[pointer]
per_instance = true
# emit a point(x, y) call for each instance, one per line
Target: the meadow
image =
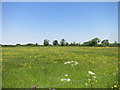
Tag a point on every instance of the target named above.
point(59, 67)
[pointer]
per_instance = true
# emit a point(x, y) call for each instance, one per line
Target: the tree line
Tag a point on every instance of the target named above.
point(93, 42)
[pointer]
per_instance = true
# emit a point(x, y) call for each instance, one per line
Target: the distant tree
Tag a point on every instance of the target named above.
point(74, 43)
point(18, 45)
point(62, 42)
point(29, 44)
point(105, 42)
point(71, 44)
point(95, 41)
point(55, 42)
point(36, 44)
point(92, 42)
point(46, 42)
point(77, 44)
point(115, 43)
point(86, 43)
point(66, 44)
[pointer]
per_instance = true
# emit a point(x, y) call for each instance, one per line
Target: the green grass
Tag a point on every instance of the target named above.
point(23, 67)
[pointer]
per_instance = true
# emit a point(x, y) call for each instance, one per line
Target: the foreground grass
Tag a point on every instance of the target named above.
point(44, 67)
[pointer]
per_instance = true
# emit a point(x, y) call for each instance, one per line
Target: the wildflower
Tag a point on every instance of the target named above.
point(94, 76)
point(76, 62)
point(65, 62)
point(71, 62)
point(91, 73)
point(68, 62)
point(62, 79)
point(86, 83)
point(115, 85)
point(68, 79)
point(66, 75)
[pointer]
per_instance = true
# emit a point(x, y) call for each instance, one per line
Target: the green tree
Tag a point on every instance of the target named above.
point(18, 45)
point(74, 43)
point(62, 42)
point(36, 44)
point(105, 42)
point(77, 44)
point(66, 44)
point(55, 42)
point(46, 42)
point(94, 41)
point(115, 43)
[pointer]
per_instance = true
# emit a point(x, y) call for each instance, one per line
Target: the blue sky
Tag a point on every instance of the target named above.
point(32, 22)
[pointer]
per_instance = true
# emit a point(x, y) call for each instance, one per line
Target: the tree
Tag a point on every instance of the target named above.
point(86, 43)
point(18, 45)
point(115, 43)
point(95, 41)
point(71, 44)
point(62, 42)
point(74, 43)
point(55, 42)
point(66, 44)
point(105, 42)
point(92, 42)
point(77, 44)
point(36, 44)
point(46, 42)
point(30, 44)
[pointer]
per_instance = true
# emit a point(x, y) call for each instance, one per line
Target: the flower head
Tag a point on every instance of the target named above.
point(94, 77)
point(86, 83)
point(91, 73)
point(66, 75)
point(68, 79)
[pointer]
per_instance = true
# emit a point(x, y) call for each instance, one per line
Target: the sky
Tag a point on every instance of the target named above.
point(32, 22)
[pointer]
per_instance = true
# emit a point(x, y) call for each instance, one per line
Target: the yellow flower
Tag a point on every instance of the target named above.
point(115, 85)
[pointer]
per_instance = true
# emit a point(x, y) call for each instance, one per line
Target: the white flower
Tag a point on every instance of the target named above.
point(90, 72)
point(62, 79)
point(94, 76)
point(68, 62)
point(66, 75)
point(65, 62)
point(76, 63)
point(86, 83)
point(68, 79)
point(71, 62)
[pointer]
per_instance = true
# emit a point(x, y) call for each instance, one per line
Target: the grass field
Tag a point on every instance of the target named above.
point(59, 67)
